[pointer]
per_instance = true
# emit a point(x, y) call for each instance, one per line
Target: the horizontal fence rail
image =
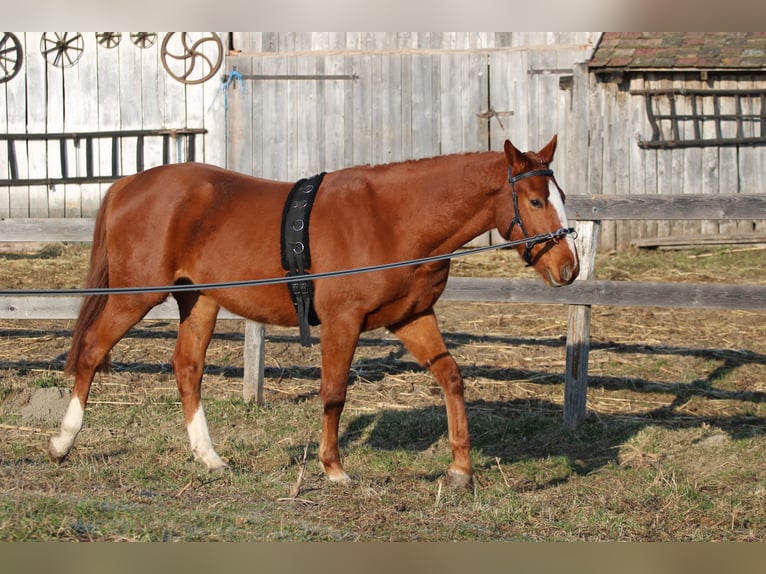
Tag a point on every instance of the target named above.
point(586, 211)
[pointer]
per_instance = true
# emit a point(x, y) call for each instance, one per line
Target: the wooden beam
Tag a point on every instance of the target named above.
point(667, 207)
point(609, 293)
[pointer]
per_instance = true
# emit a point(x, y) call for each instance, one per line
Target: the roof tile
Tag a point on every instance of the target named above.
point(651, 50)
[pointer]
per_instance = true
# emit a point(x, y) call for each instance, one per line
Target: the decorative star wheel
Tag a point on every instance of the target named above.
point(11, 56)
point(109, 39)
point(61, 49)
point(191, 58)
point(143, 39)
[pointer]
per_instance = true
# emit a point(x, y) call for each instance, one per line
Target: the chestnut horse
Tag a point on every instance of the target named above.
point(199, 224)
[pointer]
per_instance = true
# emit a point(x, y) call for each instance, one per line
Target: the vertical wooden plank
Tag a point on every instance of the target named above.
point(405, 115)
point(275, 126)
point(81, 114)
point(475, 101)
point(423, 108)
point(503, 93)
point(362, 110)
point(749, 165)
point(254, 354)
point(235, 104)
point(35, 203)
point(54, 123)
point(451, 126)
point(211, 147)
point(710, 159)
point(151, 75)
point(302, 149)
point(578, 332)
point(108, 78)
point(728, 166)
point(130, 101)
point(332, 112)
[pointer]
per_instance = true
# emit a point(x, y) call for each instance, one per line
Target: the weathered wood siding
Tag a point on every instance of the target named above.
point(122, 88)
point(323, 101)
point(394, 96)
point(617, 120)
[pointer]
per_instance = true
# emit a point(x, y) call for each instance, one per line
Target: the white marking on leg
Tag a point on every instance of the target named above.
point(59, 446)
point(554, 197)
point(201, 445)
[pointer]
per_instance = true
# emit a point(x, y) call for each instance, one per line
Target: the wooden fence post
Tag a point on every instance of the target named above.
point(254, 354)
point(578, 333)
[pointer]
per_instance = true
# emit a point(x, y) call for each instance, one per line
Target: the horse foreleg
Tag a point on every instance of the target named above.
point(338, 344)
point(423, 339)
point(117, 317)
point(198, 317)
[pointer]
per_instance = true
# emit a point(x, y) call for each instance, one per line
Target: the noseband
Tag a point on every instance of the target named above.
point(531, 241)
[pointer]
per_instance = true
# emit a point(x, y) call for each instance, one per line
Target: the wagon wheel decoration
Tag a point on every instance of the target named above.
point(191, 61)
point(11, 56)
point(109, 39)
point(143, 39)
point(61, 49)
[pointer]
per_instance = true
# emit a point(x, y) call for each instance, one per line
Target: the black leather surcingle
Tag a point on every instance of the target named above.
point(296, 256)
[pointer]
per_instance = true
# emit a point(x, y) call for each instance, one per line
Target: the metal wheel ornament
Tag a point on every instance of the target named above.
point(109, 39)
point(191, 58)
point(143, 39)
point(11, 56)
point(61, 49)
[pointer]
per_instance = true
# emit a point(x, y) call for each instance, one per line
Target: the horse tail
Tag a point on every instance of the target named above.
point(92, 305)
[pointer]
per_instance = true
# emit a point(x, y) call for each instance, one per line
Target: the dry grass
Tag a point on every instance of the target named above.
point(673, 447)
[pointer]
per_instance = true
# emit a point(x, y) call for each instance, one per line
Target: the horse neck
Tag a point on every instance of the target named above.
point(457, 202)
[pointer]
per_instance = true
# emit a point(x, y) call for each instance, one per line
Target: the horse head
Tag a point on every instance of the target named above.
point(537, 205)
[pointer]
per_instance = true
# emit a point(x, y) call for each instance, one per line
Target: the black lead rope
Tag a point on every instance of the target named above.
point(190, 287)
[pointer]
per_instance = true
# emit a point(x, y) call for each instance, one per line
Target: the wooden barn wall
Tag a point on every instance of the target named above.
point(314, 102)
point(615, 120)
point(122, 88)
point(413, 95)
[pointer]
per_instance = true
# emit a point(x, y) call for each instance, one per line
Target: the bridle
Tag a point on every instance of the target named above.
point(531, 241)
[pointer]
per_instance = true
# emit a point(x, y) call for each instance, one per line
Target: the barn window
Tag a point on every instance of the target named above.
point(704, 117)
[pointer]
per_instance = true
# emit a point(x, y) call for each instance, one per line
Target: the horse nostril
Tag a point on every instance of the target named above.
point(566, 273)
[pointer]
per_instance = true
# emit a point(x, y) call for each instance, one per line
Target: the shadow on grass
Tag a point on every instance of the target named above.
point(529, 430)
point(513, 430)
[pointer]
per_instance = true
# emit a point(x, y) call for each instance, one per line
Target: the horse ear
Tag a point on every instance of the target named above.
point(547, 152)
point(512, 155)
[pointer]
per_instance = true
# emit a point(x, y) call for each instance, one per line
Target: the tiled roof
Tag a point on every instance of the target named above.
point(680, 50)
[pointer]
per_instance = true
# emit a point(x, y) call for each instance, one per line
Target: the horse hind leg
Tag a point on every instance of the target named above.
point(110, 325)
point(423, 339)
point(198, 317)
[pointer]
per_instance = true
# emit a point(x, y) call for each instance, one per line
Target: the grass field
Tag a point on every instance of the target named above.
point(673, 448)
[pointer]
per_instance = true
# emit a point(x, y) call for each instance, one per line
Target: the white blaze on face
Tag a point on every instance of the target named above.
point(554, 197)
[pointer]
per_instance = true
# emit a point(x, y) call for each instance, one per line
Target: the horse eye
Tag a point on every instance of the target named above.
point(536, 203)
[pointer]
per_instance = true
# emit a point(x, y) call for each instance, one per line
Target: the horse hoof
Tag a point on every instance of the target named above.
point(54, 453)
point(220, 469)
point(337, 476)
point(341, 478)
point(459, 480)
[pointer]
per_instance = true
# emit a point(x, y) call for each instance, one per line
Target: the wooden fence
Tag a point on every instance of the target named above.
point(586, 212)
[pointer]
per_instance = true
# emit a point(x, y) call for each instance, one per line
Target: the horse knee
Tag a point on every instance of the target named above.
point(333, 396)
